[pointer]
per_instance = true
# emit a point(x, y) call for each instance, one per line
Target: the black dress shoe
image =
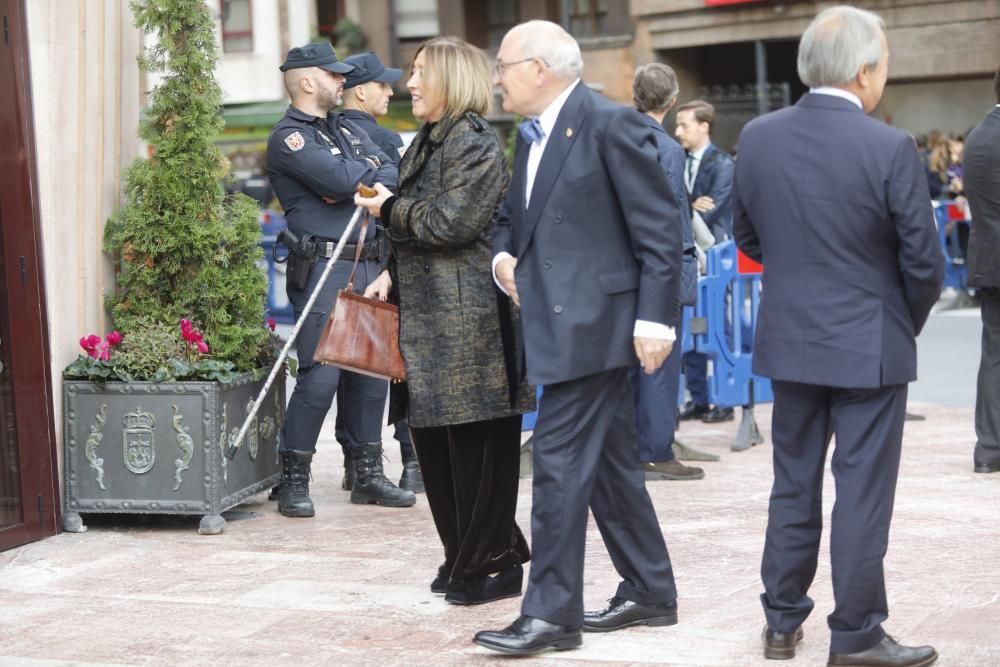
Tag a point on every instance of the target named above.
point(692, 410)
point(440, 583)
point(987, 467)
point(716, 415)
point(528, 636)
point(621, 613)
point(887, 653)
point(480, 590)
point(778, 645)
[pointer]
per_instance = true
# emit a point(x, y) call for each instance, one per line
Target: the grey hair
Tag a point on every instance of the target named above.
point(837, 44)
point(553, 45)
point(654, 87)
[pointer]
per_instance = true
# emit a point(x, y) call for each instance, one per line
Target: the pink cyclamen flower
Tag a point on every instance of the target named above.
point(202, 347)
point(271, 323)
point(114, 339)
point(103, 352)
point(186, 325)
point(89, 344)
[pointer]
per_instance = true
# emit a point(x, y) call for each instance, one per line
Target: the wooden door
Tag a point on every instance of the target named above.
point(29, 492)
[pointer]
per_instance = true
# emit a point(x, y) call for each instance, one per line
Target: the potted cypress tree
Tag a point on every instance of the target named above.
point(151, 408)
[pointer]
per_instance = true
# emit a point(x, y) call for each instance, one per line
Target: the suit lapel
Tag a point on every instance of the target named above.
point(520, 173)
point(701, 166)
point(564, 134)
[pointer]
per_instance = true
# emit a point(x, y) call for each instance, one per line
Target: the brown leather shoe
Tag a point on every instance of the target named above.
point(671, 470)
point(778, 645)
point(887, 653)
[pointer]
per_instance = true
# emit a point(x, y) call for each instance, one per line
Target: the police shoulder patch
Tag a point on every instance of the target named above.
point(294, 141)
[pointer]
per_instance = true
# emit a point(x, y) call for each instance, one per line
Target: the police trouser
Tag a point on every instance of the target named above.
point(363, 397)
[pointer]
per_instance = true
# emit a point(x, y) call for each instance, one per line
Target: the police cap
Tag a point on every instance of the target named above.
point(367, 67)
point(317, 54)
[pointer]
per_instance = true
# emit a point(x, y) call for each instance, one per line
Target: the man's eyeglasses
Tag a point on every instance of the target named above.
point(499, 66)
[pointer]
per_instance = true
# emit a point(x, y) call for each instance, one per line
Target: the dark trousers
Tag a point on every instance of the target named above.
point(471, 476)
point(868, 424)
point(655, 399)
point(585, 455)
point(363, 397)
point(696, 377)
point(988, 385)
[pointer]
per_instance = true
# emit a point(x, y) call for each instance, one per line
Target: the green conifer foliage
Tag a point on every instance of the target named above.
point(183, 248)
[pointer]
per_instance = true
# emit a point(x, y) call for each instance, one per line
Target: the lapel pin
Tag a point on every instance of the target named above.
point(569, 131)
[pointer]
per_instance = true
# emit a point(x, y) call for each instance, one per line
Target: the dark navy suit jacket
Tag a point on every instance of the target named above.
point(593, 252)
point(715, 179)
point(982, 187)
point(835, 205)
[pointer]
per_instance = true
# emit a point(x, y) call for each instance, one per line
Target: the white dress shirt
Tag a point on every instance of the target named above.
point(838, 92)
point(547, 119)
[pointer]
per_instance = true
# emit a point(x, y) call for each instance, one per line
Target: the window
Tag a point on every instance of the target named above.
point(416, 19)
point(237, 26)
point(501, 16)
point(588, 18)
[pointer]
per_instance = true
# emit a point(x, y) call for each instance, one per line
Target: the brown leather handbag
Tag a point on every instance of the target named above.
point(362, 335)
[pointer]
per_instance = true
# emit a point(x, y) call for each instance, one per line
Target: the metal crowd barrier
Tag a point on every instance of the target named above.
point(278, 305)
point(721, 327)
point(949, 217)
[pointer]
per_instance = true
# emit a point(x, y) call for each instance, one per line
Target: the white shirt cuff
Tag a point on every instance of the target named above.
point(647, 329)
point(500, 256)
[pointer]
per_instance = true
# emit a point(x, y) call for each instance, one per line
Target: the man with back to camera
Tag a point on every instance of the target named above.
point(708, 176)
point(654, 93)
point(366, 97)
point(581, 245)
point(314, 156)
point(982, 189)
point(834, 204)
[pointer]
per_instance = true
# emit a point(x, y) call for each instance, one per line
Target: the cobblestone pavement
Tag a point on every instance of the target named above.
point(350, 587)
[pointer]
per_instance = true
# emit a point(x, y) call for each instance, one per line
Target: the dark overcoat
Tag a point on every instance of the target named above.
point(460, 361)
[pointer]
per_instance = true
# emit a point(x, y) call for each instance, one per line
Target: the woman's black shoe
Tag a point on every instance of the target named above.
point(440, 583)
point(483, 589)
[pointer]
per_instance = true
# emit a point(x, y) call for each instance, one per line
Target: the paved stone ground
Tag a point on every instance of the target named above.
point(350, 587)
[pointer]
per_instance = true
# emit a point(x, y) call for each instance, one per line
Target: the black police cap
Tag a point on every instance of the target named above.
point(367, 67)
point(317, 54)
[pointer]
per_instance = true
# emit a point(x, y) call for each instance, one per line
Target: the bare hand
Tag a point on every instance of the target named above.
point(703, 204)
point(329, 200)
point(374, 204)
point(379, 288)
point(505, 276)
point(652, 352)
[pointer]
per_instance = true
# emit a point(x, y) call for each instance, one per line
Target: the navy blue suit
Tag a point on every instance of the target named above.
point(835, 205)
point(656, 394)
point(593, 256)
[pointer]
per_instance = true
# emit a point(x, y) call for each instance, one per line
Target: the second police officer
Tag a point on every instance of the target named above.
point(315, 161)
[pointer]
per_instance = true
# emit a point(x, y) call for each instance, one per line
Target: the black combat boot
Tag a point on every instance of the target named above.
point(370, 483)
point(412, 479)
point(347, 483)
point(293, 496)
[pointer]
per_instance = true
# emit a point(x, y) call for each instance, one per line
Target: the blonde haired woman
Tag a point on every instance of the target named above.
point(463, 396)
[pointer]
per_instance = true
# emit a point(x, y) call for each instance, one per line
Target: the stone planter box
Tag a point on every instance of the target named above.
point(159, 448)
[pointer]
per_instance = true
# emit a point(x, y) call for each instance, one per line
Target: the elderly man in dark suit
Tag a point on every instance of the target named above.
point(982, 187)
point(580, 243)
point(835, 205)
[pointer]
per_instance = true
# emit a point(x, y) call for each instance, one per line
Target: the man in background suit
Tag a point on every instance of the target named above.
point(982, 188)
point(654, 92)
point(708, 175)
point(581, 245)
point(835, 205)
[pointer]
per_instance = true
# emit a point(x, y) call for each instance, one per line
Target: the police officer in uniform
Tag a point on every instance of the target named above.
point(315, 161)
point(366, 96)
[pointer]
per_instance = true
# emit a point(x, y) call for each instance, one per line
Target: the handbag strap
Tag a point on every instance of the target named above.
point(357, 250)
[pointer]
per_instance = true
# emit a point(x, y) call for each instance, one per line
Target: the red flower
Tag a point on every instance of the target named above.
point(114, 339)
point(202, 346)
point(89, 344)
point(103, 352)
point(186, 325)
point(271, 323)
